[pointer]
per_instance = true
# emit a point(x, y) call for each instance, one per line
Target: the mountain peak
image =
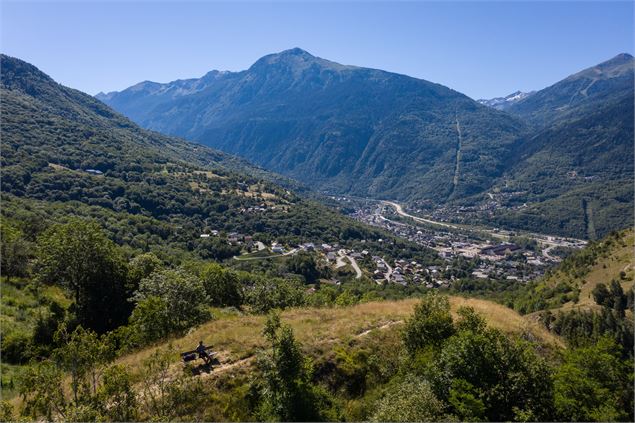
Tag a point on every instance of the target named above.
point(293, 57)
point(618, 66)
point(296, 51)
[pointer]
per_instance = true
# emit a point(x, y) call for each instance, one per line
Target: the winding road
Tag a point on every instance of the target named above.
point(288, 253)
point(544, 240)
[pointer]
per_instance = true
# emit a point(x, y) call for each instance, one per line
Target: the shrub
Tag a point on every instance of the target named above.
point(431, 323)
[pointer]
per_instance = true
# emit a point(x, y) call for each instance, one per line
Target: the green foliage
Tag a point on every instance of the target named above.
point(6, 412)
point(39, 387)
point(222, 286)
point(430, 324)
point(79, 256)
point(409, 401)
point(594, 384)
point(151, 319)
point(118, 394)
point(82, 354)
point(175, 297)
point(465, 399)
point(345, 299)
point(498, 377)
point(142, 266)
point(15, 251)
point(584, 328)
point(286, 392)
point(15, 346)
point(265, 294)
point(304, 264)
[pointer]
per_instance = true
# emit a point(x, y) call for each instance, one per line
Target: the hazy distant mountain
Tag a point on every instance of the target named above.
point(502, 103)
point(340, 128)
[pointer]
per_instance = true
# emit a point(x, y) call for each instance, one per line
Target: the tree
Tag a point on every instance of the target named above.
point(14, 251)
point(594, 384)
point(286, 391)
point(266, 294)
point(304, 264)
point(117, 395)
point(41, 389)
point(182, 297)
point(602, 296)
point(142, 266)
point(619, 298)
point(82, 354)
point(80, 257)
point(431, 323)
point(222, 286)
point(482, 367)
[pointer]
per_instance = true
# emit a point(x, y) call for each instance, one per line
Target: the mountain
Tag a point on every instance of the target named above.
point(575, 168)
point(502, 103)
point(580, 92)
point(339, 128)
point(64, 153)
point(565, 151)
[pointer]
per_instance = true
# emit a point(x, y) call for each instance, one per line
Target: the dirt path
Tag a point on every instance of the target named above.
point(382, 327)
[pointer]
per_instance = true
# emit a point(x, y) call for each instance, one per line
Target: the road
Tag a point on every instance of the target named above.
point(543, 240)
point(288, 253)
point(339, 262)
point(399, 209)
point(341, 255)
point(358, 271)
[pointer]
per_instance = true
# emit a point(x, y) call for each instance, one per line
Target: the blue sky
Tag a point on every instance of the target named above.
point(483, 49)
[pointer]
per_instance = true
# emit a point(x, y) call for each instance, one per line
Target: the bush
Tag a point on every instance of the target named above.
point(430, 324)
point(16, 347)
point(410, 401)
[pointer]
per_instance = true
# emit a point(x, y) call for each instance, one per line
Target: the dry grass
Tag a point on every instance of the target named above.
point(620, 259)
point(237, 337)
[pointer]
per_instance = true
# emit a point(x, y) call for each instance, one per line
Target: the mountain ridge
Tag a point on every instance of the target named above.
point(338, 127)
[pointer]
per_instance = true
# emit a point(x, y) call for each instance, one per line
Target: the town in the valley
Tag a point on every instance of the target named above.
point(493, 254)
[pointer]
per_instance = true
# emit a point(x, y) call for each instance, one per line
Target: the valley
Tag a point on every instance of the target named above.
point(537, 164)
point(346, 243)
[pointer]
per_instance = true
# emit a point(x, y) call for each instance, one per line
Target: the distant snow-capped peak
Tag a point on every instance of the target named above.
point(501, 103)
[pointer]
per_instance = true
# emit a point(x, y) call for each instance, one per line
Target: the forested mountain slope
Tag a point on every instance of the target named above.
point(566, 151)
point(340, 128)
point(575, 171)
point(65, 153)
point(579, 92)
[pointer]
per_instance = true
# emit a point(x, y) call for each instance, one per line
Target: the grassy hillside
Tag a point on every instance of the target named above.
point(569, 285)
point(326, 334)
point(238, 337)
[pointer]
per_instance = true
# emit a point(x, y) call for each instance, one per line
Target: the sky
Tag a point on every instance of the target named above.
point(483, 49)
